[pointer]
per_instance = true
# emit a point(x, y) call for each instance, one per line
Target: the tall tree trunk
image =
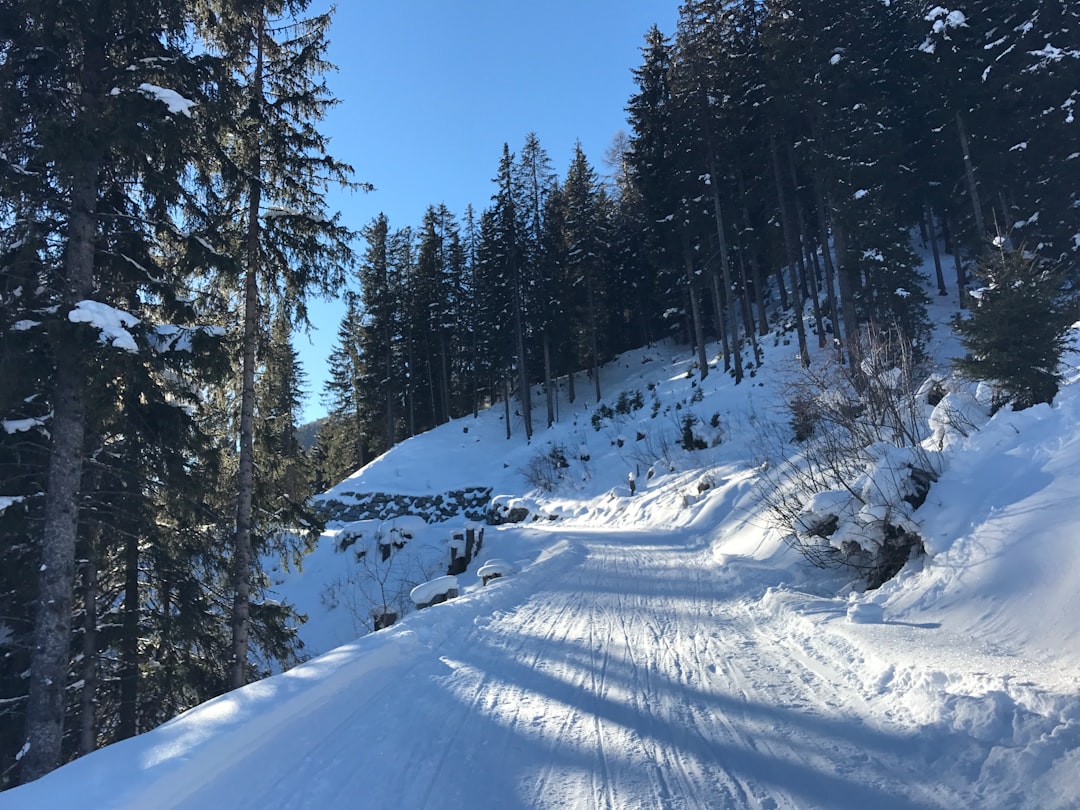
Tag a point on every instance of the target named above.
point(389, 357)
point(594, 338)
point(931, 227)
point(793, 259)
point(728, 322)
point(751, 259)
point(549, 393)
point(523, 374)
point(506, 404)
point(847, 292)
point(806, 246)
point(958, 262)
point(89, 674)
point(127, 725)
point(56, 581)
point(695, 309)
point(245, 478)
point(830, 268)
point(748, 314)
point(720, 315)
point(973, 187)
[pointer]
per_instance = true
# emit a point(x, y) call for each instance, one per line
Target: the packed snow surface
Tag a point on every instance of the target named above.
point(664, 648)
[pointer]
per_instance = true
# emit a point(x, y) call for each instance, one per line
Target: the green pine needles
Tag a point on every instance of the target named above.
point(1017, 329)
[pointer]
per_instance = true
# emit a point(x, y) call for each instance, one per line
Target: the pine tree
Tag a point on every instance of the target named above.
point(343, 438)
point(650, 161)
point(95, 102)
point(380, 340)
point(1018, 328)
point(584, 238)
point(510, 244)
point(272, 163)
point(536, 182)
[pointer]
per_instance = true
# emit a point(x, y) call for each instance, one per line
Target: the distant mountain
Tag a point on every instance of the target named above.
point(307, 434)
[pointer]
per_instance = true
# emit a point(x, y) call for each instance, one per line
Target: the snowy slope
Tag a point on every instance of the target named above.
point(665, 649)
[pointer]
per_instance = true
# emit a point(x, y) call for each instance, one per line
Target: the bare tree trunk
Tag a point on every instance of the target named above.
point(826, 255)
point(847, 294)
point(245, 478)
point(755, 270)
point(793, 259)
point(695, 309)
point(523, 375)
point(961, 276)
point(389, 426)
point(720, 324)
point(50, 655)
point(506, 404)
point(806, 248)
point(444, 368)
point(928, 216)
point(127, 725)
point(748, 315)
point(727, 321)
point(549, 393)
point(594, 338)
point(973, 188)
point(87, 701)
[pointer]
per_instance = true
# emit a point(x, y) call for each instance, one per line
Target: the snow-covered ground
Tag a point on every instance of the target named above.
point(661, 648)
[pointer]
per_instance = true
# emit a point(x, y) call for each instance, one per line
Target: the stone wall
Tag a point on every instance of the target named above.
point(471, 504)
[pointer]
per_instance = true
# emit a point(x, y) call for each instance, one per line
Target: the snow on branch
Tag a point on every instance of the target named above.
point(111, 322)
point(170, 98)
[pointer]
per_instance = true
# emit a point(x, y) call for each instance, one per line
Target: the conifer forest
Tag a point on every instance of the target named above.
point(164, 223)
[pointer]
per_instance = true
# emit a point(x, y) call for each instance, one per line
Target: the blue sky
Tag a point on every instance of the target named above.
point(431, 89)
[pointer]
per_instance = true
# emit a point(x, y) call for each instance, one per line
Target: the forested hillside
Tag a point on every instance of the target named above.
point(778, 158)
point(163, 221)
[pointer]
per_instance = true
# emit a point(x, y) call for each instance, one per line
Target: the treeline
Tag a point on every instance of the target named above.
point(162, 219)
point(781, 155)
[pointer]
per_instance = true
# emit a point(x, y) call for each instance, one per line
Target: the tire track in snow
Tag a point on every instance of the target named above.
point(639, 677)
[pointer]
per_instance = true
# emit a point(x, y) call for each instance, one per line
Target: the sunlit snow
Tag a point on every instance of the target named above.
point(665, 648)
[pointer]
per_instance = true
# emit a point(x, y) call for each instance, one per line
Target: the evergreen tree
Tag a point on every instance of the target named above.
point(536, 182)
point(94, 151)
point(1018, 328)
point(584, 238)
point(511, 262)
point(343, 438)
point(381, 337)
point(650, 160)
point(272, 163)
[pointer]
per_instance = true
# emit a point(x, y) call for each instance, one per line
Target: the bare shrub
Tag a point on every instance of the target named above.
point(376, 586)
point(846, 500)
point(546, 469)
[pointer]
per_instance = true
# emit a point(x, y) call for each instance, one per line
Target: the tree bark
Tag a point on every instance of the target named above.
point(727, 321)
point(549, 393)
point(245, 481)
point(806, 248)
point(793, 259)
point(127, 725)
point(928, 216)
point(87, 701)
point(56, 582)
point(958, 262)
point(973, 187)
point(594, 338)
point(751, 259)
point(695, 309)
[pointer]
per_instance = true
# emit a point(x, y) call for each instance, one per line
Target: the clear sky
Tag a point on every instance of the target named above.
point(431, 89)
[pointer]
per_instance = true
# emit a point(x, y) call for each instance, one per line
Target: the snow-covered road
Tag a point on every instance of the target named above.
point(639, 675)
